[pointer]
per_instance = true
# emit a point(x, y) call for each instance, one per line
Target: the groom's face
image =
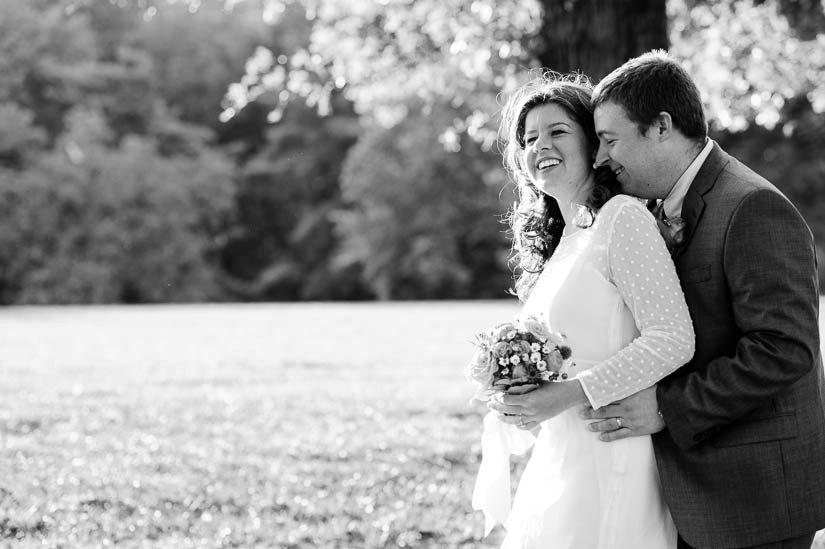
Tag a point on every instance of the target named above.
point(626, 150)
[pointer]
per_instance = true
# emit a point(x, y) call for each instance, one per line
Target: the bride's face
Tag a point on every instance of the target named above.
point(556, 153)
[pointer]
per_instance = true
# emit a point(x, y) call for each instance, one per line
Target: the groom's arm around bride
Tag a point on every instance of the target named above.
point(740, 429)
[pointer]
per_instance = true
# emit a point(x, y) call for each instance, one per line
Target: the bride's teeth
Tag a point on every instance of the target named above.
point(547, 163)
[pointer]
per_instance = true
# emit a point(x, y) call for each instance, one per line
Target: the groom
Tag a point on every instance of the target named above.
point(739, 431)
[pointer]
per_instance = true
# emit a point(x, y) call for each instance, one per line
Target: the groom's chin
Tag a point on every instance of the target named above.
point(627, 188)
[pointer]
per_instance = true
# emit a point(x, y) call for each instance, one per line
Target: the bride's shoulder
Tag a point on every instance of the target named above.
point(624, 216)
point(623, 205)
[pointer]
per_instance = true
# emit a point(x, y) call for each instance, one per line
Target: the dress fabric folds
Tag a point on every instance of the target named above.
point(612, 291)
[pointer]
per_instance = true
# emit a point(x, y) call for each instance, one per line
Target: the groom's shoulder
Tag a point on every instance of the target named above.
point(738, 176)
point(738, 188)
point(736, 181)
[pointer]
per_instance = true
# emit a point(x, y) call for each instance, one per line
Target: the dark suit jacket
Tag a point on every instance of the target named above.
point(742, 460)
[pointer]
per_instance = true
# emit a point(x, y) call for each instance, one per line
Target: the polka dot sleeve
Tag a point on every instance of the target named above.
point(641, 268)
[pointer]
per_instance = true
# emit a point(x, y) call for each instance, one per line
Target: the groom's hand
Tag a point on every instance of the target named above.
point(636, 415)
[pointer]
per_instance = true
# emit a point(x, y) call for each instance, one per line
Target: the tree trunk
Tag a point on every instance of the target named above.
point(596, 36)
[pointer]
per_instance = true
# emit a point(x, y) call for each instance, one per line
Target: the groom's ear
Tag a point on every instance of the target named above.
point(662, 125)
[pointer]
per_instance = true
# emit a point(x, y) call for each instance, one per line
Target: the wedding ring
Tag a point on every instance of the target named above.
point(521, 420)
point(618, 423)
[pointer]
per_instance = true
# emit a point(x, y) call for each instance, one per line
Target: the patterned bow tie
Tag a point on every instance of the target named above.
point(672, 228)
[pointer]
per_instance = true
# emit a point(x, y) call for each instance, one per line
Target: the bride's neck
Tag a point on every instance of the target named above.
point(571, 205)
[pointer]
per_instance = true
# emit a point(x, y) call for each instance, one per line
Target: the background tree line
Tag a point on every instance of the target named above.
point(176, 151)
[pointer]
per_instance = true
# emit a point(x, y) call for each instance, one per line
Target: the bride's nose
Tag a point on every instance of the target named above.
point(543, 141)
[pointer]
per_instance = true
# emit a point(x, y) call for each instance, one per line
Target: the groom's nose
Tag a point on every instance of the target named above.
point(601, 157)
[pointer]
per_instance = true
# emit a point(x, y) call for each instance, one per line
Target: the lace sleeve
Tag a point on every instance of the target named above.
point(642, 270)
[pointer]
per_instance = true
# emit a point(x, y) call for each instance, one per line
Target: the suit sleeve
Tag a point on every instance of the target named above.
point(769, 266)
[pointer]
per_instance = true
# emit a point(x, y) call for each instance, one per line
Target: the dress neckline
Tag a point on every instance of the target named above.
point(569, 232)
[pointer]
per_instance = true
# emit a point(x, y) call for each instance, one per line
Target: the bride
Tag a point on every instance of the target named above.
point(594, 267)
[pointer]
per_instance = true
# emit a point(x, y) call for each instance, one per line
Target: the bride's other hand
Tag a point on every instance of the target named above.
point(528, 409)
point(636, 415)
point(521, 389)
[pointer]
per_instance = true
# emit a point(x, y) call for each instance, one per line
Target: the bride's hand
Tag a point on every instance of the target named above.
point(521, 389)
point(528, 409)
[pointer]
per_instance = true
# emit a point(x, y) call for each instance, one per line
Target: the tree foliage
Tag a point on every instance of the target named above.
point(283, 244)
point(748, 61)
point(43, 53)
point(383, 55)
point(180, 150)
point(89, 223)
point(745, 55)
point(421, 219)
point(753, 66)
point(106, 196)
point(197, 54)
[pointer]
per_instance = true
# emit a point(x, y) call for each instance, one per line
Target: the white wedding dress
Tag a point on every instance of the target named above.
point(613, 291)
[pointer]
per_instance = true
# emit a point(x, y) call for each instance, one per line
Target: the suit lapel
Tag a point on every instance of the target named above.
point(694, 203)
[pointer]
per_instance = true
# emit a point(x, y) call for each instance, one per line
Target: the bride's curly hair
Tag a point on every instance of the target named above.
point(535, 220)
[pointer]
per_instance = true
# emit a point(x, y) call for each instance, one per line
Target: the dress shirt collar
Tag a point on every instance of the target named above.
point(673, 201)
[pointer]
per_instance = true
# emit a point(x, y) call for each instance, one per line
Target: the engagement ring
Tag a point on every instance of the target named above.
point(619, 422)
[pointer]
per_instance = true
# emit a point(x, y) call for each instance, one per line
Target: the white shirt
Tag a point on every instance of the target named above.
point(674, 200)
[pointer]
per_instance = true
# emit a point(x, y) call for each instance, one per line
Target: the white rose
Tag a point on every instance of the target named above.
point(535, 326)
point(480, 370)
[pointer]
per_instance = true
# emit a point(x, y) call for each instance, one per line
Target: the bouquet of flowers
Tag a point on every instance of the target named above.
point(511, 354)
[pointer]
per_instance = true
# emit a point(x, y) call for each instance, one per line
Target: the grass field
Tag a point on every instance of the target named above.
point(259, 426)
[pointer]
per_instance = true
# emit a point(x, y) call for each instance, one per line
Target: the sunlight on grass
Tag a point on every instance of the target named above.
point(257, 426)
point(240, 426)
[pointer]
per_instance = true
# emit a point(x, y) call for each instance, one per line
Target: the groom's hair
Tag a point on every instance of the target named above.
point(652, 83)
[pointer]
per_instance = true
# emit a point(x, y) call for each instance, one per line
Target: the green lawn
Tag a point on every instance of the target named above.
point(283, 426)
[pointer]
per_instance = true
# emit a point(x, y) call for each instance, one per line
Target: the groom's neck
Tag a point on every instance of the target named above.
point(681, 154)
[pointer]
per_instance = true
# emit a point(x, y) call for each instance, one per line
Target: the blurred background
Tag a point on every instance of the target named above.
point(274, 150)
point(261, 157)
